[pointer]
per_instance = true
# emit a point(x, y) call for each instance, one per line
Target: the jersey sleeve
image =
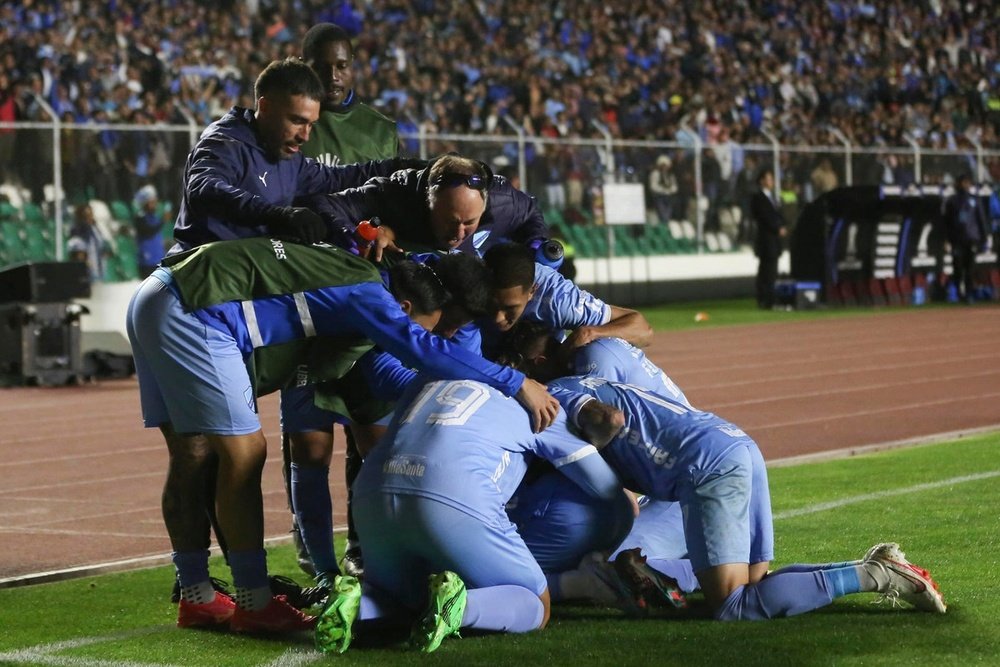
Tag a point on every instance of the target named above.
point(563, 305)
point(386, 375)
point(372, 309)
point(576, 459)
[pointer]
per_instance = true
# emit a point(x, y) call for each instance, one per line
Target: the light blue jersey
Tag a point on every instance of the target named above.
point(466, 445)
point(618, 360)
point(663, 439)
point(558, 302)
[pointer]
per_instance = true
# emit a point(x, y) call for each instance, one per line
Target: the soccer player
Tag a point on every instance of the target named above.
point(193, 325)
point(526, 289)
point(348, 131)
point(564, 528)
point(438, 298)
point(430, 503)
point(714, 470)
point(247, 168)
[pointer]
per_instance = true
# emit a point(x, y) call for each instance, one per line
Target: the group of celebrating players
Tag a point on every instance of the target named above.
point(469, 510)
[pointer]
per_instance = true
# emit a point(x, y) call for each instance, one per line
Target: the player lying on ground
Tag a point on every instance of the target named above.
point(429, 503)
point(669, 451)
point(192, 327)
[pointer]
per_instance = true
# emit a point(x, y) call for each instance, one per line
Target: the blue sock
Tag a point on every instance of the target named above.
point(249, 568)
point(506, 608)
point(678, 569)
point(191, 566)
point(781, 593)
point(314, 514)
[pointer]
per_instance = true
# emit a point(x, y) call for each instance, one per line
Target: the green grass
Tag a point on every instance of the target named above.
point(945, 519)
point(725, 312)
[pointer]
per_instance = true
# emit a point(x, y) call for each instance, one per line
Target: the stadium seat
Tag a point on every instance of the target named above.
point(32, 212)
point(37, 246)
point(12, 194)
point(121, 212)
point(127, 256)
point(7, 211)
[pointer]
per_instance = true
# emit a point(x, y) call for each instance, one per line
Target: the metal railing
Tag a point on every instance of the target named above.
point(56, 165)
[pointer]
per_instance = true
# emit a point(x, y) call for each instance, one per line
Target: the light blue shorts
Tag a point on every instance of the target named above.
point(727, 511)
point(406, 538)
point(190, 375)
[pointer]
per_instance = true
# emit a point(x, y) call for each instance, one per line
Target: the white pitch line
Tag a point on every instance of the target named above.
point(43, 654)
point(878, 495)
point(295, 657)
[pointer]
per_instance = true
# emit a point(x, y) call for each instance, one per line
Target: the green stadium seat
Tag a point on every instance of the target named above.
point(121, 211)
point(32, 213)
point(38, 247)
point(7, 211)
point(127, 256)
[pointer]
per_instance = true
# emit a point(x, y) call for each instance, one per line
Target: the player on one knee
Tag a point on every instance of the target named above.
point(715, 471)
point(430, 504)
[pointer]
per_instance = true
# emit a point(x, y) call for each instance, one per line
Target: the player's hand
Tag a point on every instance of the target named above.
point(386, 240)
point(578, 338)
point(541, 407)
point(295, 223)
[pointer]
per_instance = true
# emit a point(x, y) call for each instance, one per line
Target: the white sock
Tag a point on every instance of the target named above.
point(253, 599)
point(200, 593)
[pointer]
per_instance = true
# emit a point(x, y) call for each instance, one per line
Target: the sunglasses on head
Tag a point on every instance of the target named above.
point(481, 181)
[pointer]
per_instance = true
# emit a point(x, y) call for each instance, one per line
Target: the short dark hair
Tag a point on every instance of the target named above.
point(764, 172)
point(321, 34)
point(512, 265)
point(290, 76)
point(469, 282)
point(418, 284)
point(523, 336)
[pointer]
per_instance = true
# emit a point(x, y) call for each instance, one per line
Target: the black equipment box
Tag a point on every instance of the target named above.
point(44, 282)
point(40, 343)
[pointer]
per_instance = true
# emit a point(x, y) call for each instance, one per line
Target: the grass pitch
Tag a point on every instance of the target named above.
point(939, 501)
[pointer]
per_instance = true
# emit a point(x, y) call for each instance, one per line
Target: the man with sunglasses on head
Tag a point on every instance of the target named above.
point(453, 204)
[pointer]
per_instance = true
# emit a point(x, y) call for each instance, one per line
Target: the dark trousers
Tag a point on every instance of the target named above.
point(963, 264)
point(767, 273)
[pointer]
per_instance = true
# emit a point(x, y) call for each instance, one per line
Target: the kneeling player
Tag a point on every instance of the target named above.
point(429, 502)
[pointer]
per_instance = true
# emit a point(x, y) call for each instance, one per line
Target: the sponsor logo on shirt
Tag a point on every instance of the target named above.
point(658, 456)
point(302, 375)
point(504, 462)
point(263, 178)
point(404, 465)
point(279, 249)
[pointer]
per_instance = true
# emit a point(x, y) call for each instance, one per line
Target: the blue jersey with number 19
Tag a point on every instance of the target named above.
point(466, 445)
point(662, 441)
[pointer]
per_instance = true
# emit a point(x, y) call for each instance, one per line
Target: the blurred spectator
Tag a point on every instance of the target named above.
point(86, 242)
point(149, 222)
point(663, 187)
point(823, 177)
point(967, 234)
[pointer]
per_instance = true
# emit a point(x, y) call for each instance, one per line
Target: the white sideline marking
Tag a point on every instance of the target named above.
point(852, 500)
point(43, 654)
point(294, 657)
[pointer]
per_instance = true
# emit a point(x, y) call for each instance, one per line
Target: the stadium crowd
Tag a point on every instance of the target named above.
point(875, 70)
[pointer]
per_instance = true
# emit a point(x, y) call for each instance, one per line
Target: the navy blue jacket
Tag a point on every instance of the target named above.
point(231, 186)
point(400, 201)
